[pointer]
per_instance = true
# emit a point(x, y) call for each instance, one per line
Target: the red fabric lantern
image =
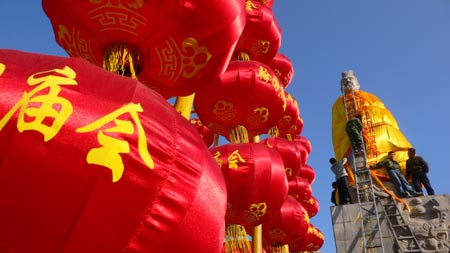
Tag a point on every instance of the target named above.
point(206, 133)
point(305, 142)
point(290, 117)
point(176, 45)
point(312, 241)
point(294, 130)
point(255, 179)
point(282, 66)
point(308, 173)
point(261, 38)
point(268, 3)
point(247, 94)
point(290, 222)
point(94, 162)
point(288, 151)
point(300, 189)
point(312, 206)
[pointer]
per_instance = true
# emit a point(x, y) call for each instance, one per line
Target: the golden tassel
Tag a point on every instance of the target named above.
point(238, 134)
point(242, 56)
point(236, 239)
point(121, 59)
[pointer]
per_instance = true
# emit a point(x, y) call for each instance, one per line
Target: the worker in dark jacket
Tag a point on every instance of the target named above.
point(400, 183)
point(354, 129)
point(417, 168)
point(341, 176)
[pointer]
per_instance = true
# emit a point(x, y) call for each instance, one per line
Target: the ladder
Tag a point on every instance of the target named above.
point(404, 238)
point(367, 202)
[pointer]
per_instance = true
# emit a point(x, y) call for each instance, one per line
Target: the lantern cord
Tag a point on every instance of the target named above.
point(236, 239)
point(242, 56)
point(238, 134)
point(121, 59)
point(273, 132)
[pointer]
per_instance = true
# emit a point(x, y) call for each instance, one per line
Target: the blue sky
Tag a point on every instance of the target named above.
point(399, 50)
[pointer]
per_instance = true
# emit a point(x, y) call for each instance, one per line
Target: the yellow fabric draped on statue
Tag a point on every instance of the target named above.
point(379, 122)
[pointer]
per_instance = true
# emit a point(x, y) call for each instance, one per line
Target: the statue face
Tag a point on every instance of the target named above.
point(349, 82)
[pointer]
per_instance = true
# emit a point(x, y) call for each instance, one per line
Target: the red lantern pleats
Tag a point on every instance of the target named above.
point(282, 66)
point(255, 179)
point(311, 241)
point(308, 173)
point(174, 47)
point(287, 123)
point(292, 159)
point(290, 222)
point(261, 38)
point(247, 94)
point(94, 162)
point(300, 189)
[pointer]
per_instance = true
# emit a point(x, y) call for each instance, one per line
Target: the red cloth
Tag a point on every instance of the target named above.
point(58, 196)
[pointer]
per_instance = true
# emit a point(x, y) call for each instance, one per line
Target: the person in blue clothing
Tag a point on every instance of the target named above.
point(400, 183)
point(417, 168)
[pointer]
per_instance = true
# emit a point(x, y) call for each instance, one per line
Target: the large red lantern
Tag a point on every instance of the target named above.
point(94, 162)
point(247, 94)
point(261, 38)
point(172, 46)
point(255, 179)
point(282, 66)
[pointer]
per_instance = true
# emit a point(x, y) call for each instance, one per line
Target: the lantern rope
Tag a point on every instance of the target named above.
point(236, 239)
point(121, 59)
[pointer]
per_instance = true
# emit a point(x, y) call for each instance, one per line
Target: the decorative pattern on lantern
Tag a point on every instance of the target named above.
point(290, 222)
point(282, 66)
point(95, 162)
point(255, 179)
point(261, 38)
point(173, 47)
point(312, 206)
point(247, 94)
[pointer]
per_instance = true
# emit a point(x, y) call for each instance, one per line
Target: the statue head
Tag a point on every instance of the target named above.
point(349, 82)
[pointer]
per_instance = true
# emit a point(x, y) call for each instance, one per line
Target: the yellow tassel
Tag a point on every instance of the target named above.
point(238, 134)
point(242, 56)
point(274, 132)
point(236, 239)
point(121, 59)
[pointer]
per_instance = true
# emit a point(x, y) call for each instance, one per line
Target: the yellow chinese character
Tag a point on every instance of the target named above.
point(233, 159)
point(217, 158)
point(264, 74)
point(108, 155)
point(42, 109)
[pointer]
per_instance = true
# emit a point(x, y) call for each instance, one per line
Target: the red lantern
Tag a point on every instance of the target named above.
point(94, 162)
point(308, 173)
point(261, 38)
point(172, 46)
point(312, 241)
point(206, 133)
point(283, 68)
point(312, 206)
point(247, 94)
point(288, 151)
point(290, 222)
point(255, 179)
point(268, 3)
point(290, 116)
point(294, 130)
point(300, 189)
